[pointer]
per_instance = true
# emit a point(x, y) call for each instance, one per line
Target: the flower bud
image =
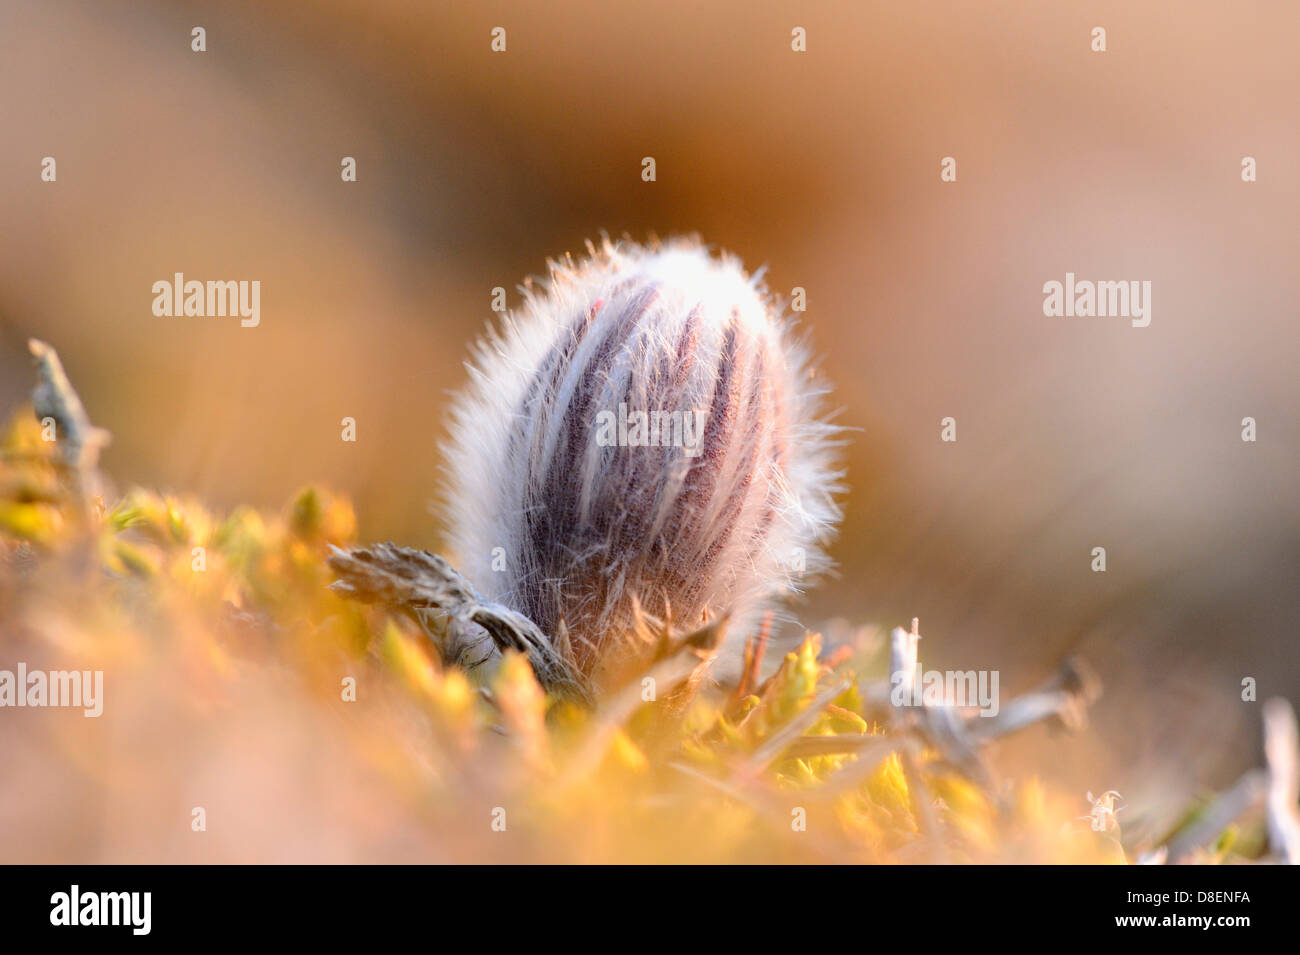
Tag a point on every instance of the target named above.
point(643, 431)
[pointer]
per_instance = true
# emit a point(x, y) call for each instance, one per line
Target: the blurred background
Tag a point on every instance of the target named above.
point(924, 297)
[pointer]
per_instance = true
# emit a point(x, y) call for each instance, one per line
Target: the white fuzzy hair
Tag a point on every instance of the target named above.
point(580, 528)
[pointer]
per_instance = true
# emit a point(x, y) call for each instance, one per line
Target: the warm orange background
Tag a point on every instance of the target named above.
point(924, 297)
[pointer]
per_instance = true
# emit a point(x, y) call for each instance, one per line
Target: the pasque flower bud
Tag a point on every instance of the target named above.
point(644, 430)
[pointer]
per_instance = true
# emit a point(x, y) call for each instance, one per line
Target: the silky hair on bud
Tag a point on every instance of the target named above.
point(644, 434)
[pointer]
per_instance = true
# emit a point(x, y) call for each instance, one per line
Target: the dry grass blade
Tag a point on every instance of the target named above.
point(1064, 699)
point(79, 441)
point(1282, 751)
point(956, 738)
point(945, 730)
point(418, 581)
point(1246, 794)
point(903, 650)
